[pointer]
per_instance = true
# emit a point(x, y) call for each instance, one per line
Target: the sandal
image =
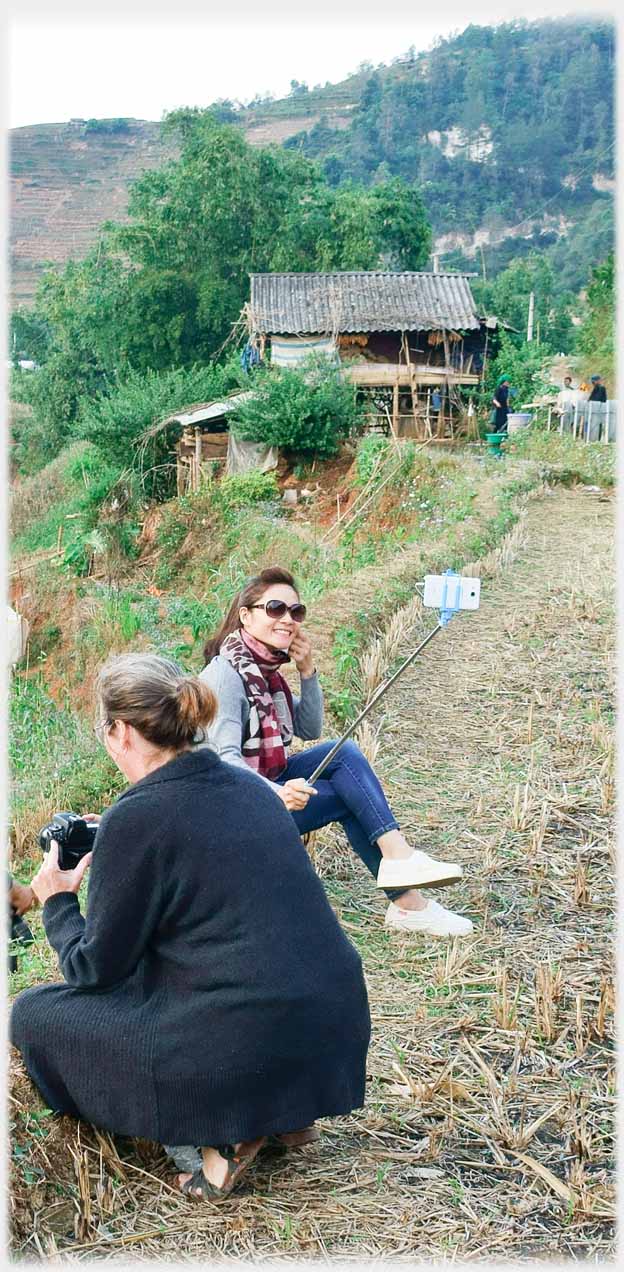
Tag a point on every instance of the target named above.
point(237, 1162)
point(296, 1139)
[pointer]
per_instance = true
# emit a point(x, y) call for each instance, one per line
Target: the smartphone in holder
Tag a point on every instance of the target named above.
point(451, 592)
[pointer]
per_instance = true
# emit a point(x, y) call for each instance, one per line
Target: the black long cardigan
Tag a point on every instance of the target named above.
point(210, 995)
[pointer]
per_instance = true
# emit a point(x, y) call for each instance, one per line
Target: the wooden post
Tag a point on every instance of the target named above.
point(549, 418)
point(485, 351)
point(395, 407)
point(605, 429)
point(412, 376)
point(197, 473)
point(447, 351)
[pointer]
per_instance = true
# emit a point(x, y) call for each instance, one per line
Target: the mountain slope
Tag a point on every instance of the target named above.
point(508, 132)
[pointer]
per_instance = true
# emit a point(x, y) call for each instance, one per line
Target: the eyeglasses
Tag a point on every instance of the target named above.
point(100, 729)
point(277, 609)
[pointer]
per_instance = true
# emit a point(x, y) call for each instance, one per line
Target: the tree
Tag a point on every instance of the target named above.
point(164, 289)
point(597, 334)
point(508, 297)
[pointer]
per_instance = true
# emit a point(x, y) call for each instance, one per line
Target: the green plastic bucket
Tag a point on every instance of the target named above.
point(494, 441)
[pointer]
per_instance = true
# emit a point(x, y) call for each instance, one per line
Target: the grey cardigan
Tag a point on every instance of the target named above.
point(228, 730)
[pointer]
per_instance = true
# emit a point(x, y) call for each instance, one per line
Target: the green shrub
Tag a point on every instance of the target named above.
point(372, 452)
point(308, 411)
point(526, 364)
point(248, 488)
point(117, 422)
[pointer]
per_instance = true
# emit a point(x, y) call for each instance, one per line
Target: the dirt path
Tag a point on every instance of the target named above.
point(487, 1132)
point(527, 817)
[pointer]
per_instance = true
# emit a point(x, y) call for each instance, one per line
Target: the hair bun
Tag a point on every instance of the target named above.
point(196, 706)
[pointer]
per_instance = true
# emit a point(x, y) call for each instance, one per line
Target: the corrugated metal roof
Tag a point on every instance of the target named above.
point(209, 410)
point(298, 304)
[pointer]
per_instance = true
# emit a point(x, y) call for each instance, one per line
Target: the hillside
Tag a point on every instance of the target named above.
point(488, 1125)
point(507, 131)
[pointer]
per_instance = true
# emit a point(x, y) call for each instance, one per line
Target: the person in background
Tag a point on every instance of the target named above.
point(210, 996)
point(598, 390)
point(256, 720)
point(566, 400)
point(596, 409)
point(436, 407)
point(500, 402)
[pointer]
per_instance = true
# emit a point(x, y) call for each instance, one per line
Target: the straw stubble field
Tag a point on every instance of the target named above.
point(488, 1128)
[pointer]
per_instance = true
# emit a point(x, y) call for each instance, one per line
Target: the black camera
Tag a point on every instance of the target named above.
point(73, 835)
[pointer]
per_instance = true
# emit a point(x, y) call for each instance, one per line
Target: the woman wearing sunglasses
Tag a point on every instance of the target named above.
point(257, 718)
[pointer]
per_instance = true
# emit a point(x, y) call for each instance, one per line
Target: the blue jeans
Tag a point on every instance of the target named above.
point(348, 793)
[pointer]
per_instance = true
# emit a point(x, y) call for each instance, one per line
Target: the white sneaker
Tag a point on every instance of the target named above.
point(434, 920)
point(416, 871)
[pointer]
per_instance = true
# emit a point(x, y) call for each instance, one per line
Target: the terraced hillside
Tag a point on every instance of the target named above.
point(64, 183)
point(67, 179)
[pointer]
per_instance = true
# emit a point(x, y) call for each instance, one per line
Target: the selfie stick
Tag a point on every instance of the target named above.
point(449, 592)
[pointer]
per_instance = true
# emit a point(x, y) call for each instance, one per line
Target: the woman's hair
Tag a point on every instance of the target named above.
point(249, 594)
point(152, 693)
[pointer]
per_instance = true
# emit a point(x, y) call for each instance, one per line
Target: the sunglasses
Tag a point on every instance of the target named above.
point(277, 609)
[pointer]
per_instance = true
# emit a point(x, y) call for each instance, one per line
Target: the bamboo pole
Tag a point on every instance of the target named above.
point(357, 500)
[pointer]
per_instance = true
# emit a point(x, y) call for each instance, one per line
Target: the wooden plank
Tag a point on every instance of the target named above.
point(389, 373)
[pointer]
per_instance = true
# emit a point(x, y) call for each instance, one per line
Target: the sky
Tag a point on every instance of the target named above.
point(136, 60)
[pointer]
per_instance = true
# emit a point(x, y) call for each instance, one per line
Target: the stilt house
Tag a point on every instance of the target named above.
point(409, 341)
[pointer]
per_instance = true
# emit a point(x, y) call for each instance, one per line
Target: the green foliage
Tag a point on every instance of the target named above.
point(567, 459)
point(163, 290)
point(597, 335)
point(52, 752)
point(116, 421)
point(55, 393)
point(94, 503)
point(29, 334)
point(106, 126)
point(525, 364)
point(308, 411)
point(248, 488)
point(372, 452)
point(39, 504)
point(542, 119)
point(508, 296)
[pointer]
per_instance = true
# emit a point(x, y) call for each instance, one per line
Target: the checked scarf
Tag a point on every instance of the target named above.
point(270, 728)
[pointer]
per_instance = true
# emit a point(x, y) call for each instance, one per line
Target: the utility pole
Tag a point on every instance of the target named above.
point(530, 322)
point(482, 262)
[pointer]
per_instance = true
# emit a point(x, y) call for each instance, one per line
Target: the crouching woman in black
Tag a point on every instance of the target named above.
point(210, 996)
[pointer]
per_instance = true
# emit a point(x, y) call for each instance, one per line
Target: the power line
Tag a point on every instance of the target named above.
point(532, 215)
